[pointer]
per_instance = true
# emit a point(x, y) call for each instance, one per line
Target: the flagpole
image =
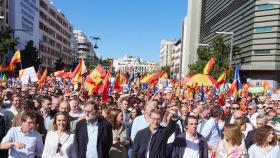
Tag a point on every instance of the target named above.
point(20, 66)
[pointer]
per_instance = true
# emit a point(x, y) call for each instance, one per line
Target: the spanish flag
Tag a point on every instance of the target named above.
point(209, 66)
point(43, 78)
point(94, 78)
point(16, 59)
point(79, 71)
point(221, 80)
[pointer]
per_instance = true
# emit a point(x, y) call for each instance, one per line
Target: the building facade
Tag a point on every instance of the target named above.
point(190, 35)
point(134, 65)
point(4, 13)
point(255, 31)
point(24, 21)
point(176, 59)
point(84, 47)
point(56, 36)
point(166, 49)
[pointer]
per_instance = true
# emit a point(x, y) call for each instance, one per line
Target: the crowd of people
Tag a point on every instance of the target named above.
point(52, 123)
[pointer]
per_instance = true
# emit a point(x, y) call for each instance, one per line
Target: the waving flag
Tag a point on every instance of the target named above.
point(44, 76)
point(79, 71)
point(222, 79)
point(209, 66)
point(201, 93)
point(94, 79)
point(236, 84)
point(16, 59)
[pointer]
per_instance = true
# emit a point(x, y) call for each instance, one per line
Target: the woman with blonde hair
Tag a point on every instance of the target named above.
point(60, 142)
point(120, 135)
point(231, 146)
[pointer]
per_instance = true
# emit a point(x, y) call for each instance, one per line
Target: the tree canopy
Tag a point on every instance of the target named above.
point(220, 50)
point(29, 56)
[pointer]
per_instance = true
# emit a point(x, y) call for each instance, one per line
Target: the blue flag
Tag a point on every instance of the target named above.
point(201, 93)
point(237, 77)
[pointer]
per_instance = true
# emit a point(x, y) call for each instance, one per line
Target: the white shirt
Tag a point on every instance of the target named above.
point(192, 149)
point(67, 150)
point(138, 124)
point(253, 119)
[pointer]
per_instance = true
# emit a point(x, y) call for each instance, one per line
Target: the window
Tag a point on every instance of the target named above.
point(265, 7)
point(263, 29)
point(262, 52)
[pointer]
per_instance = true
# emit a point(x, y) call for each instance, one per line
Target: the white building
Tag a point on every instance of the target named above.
point(84, 46)
point(134, 65)
point(190, 34)
point(176, 58)
point(166, 49)
point(24, 21)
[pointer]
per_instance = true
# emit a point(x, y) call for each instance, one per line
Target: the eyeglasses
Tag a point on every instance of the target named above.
point(184, 103)
point(216, 102)
point(228, 107)
point(59, 145)
point(235, 108)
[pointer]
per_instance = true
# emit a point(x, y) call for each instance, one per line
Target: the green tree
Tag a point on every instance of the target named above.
point(29, 56)
point(59, 64)
point(167, 70)
point(221, 51)
point(7, 43)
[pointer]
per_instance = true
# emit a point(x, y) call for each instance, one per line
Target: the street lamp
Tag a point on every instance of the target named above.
point(231, 45)
point(95, 39)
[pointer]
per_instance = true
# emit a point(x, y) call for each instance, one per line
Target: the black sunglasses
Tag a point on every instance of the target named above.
point(59, 145)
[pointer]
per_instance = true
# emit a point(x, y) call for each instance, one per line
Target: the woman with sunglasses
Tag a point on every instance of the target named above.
point(60, 142)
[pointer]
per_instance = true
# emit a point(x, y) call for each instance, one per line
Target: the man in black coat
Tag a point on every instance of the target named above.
point(93, 135)
point(151, 141)
point(261, 120)
point(190, 140)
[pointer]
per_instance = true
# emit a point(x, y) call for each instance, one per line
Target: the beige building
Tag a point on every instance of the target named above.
point(4, 13)
point(176, 59)
point(84, 48)
point(56, 35)
point(190, 35)
point(166, 50)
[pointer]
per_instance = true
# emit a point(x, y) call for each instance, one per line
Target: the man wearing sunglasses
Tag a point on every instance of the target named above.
point(230, 119)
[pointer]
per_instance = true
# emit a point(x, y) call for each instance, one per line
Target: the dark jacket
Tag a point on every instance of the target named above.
point(249, 138)
point(157, 142)
point(104, 138)
point(180, 145)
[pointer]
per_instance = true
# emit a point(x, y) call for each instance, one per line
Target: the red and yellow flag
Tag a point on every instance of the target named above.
point(79, 71)
point(222, 79)
point(209, 66)
point(16, 59)
point(43, 78)
point(94, 79)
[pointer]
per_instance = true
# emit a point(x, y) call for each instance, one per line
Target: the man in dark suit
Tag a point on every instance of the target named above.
point(151, 141)
point(190, 144)
point(261, 121)
point(93, 134)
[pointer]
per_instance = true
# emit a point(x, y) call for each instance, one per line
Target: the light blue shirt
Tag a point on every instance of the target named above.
point(32, 140)
point(47, 121)
point(138, 124)
point(92, 130)
point(211, 133)
point(257, 152)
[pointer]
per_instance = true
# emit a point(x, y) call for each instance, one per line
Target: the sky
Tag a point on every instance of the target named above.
point(126, 27)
